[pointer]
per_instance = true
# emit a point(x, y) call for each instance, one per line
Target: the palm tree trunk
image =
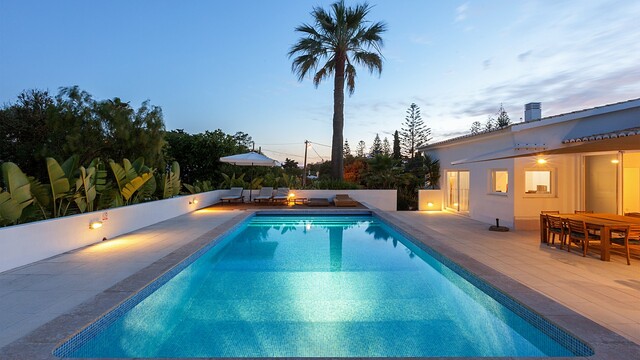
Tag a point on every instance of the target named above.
point(337, 168)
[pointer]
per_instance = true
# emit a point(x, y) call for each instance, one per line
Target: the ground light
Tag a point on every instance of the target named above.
point(95, 224)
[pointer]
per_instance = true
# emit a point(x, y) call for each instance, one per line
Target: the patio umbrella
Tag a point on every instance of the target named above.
point(251, 158)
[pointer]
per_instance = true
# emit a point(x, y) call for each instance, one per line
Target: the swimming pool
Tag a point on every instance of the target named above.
point(300, 286)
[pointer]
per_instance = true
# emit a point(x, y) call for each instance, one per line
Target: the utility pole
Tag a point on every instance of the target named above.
point(304, 167)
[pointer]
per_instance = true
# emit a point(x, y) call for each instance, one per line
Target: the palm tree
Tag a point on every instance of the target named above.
point(342, 38)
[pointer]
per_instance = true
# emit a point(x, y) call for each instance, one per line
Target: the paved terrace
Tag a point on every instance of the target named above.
point(73, 287)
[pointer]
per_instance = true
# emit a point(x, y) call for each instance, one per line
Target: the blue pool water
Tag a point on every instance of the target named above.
point(315, 286)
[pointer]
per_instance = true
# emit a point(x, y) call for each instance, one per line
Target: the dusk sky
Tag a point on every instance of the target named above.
point(224, 64)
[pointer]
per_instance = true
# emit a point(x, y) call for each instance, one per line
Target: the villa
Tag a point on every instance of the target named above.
point(583, 160)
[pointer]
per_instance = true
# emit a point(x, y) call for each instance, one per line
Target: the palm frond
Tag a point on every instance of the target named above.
point(370, 60)
point(325, 71)
point(350, 75)
point(338, 33)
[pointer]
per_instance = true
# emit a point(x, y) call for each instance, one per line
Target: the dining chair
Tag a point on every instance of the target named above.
point(549, 212)
point(556, 226)
point(628, 235)
point(583, 212)
point(579, 233)
point(633, 214)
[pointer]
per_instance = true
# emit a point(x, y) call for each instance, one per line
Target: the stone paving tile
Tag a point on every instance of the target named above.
point(461, 245)
point(599, 290)
point(46, 289)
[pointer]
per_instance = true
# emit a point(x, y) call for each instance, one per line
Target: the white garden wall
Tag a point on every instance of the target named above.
point(430, 200)
point(386, 200)
point(26, 243)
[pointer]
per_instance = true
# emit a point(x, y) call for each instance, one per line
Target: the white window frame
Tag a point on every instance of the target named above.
point(552, 182)
point(492, 182)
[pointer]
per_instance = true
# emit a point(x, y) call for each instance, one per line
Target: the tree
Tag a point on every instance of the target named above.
point(414, 133)
point(376, 148)
point(347, 150)
point(476, 127)
point(396, 146)
point(74, 123)
point(342, 38)
point(289, 164)
point(199, 154)
point(291, 167)
point(386, 148)
point(503, 118)
point(26, 134)
point(489, 125)
point(360, 149)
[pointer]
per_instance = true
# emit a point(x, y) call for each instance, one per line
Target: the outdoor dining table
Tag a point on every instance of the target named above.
point(605, 223)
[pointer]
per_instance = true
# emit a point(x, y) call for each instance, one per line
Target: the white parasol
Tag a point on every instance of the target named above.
point(250, 159)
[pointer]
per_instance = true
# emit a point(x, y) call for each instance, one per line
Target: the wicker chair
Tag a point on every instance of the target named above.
point(579, 233)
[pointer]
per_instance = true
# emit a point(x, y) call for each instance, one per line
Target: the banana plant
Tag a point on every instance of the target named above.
point(41, 196)
point(171, 181)
point(199, 186)
point(60, 186)
point(231, 181)
point(128, 180)
point(290, 181)
point(18, 196)
point(86, 192)
point(148, 190)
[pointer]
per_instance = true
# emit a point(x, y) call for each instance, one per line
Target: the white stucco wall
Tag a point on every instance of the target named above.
point(26, 243)
point(483, 205)
point(386, 200)
point(516, 207)
point(567, 180)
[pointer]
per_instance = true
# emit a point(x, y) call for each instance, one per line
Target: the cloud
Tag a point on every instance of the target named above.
point(561, 92)
point(486, 64)
point(421, 40)
point(461, 12)
point(524, 56)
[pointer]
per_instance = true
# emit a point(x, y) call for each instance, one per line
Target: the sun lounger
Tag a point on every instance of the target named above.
point(318, 202)
point(343, 200)
point(234, 194)
point(282, 195)
point(265, 195)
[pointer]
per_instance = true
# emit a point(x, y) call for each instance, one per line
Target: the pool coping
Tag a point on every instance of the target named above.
point(40, 343)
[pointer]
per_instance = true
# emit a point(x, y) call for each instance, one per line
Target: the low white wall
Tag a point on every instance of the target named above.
point(430, 200)
point(26, 243)
point(386, 200)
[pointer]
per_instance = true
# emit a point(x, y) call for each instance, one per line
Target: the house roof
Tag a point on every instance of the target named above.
point(603, 136)
point(546, 120)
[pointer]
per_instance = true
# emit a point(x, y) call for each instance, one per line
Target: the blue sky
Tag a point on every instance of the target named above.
point(224, 64)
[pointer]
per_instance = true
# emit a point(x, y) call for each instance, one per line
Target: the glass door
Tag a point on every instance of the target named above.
point(458, 190)
point(631, 183)
point(601, 183)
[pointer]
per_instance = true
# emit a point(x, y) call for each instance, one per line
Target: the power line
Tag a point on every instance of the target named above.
point(315, 143)
point(314, 150)
point(282, 144)
point(281, 153)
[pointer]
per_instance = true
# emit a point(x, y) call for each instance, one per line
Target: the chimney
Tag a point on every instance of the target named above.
point(532, 111)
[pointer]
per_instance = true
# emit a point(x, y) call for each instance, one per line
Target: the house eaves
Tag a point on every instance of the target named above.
point(549, 120)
